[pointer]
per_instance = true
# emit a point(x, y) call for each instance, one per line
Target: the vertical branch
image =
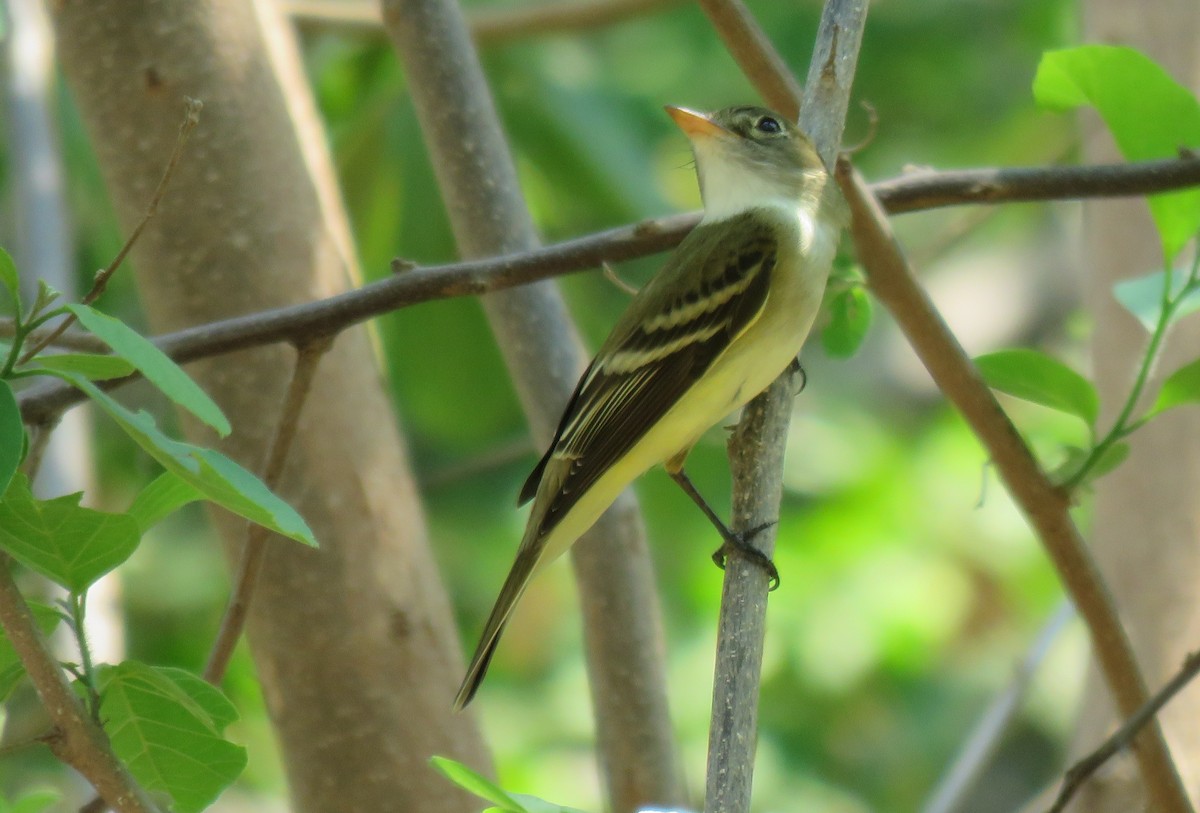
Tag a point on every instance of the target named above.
point(478, 182)
point(756, 449)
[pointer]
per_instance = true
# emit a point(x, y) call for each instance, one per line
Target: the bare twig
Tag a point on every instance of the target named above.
point(78, 741)
point(499, 25)
point(250, 565)
point(1123, 736)
point(980, 746)
point(756, 448)
point(1045, 507)
point(752, 50)
point(628, 242)
point(191, 118)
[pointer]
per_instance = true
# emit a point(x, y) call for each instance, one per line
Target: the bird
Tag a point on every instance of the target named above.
point(727, 314)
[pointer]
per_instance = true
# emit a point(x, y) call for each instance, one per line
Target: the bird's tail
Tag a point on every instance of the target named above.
point(510, 593)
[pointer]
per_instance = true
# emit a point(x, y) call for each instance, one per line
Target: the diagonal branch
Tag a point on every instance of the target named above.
point(1046, 507)
point(78, 740)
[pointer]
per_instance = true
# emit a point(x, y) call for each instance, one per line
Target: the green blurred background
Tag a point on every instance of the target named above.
point(911, 587)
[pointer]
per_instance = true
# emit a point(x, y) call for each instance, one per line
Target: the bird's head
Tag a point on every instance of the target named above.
point(749, 156)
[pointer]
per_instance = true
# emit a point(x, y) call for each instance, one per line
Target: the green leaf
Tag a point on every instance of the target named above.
point(533, 804)
point(10, 279)
point(12, 435)
point(68, 544)
point(34, 801)
point(1149, 113)
point(166, 735)
point(214, 703)
point(164, 495)
point(96, 366)
point(850, 312)
point(1143, 297)
point(1068, 470)
point(46, 618)
point(215, 476)
point(154, 364)
point(1036, 377)
point(471, 781)
point(1180, 387)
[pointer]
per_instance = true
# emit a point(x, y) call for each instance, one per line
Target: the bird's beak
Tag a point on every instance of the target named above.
point(695, 124)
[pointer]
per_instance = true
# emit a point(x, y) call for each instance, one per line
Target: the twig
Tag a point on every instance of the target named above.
point(495, 26)
point(75, 340)
point(977, 751)
point(756, 448)
point(928, 189)
point(191, 118)
point(1123, 736)
point(748, 44)
point(1045, 507)
point(628, 242)
point(253, 553)
point(78, 741)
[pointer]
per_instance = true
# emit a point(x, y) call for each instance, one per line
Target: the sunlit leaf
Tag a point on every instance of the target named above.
point(1036, 377)
point(850, 319)
point(1149, 113)
point(217, 477)
point(473, 782)
point(12, 435)
point(1180, 387)
point(96, 366)
point(31, 801)
point(154, 364)
point(163, 730)
point(10, 279)
point(68, 544)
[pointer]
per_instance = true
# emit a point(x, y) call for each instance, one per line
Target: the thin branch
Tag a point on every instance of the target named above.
point(73, 340)
point(494, 26)
point(981, 745)
point(1123, 736)
point(927, 189)
point(78, 741)
point(1046, 508)
point(632, 241)
point(254, 551)
point(191, 117)
point(752, 50)
point(756, 448)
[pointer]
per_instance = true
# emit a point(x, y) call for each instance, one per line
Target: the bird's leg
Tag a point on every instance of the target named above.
point(795, 370)
point(739, 542)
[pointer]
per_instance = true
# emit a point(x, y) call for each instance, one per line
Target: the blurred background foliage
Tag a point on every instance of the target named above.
point(911, 587)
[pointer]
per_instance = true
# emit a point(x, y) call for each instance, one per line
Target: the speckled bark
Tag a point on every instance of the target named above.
point(354, 643)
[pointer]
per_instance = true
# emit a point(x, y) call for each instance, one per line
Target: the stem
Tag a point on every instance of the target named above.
point(77, 607)
point(1123, 427)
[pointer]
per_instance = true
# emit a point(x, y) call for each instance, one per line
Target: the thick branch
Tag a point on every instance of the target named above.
point(1046, 507)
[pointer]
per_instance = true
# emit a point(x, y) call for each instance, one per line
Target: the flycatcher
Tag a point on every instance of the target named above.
point(723, 319)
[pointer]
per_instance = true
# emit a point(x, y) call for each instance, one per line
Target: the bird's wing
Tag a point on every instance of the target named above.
point(708, 293)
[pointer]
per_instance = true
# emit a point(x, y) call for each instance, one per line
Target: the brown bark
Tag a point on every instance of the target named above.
point(354, 643)
point(1146, 522)
point(478, 182)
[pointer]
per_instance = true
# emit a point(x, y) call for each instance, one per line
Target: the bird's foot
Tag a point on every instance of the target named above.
point(799, 377)
point(739, 543)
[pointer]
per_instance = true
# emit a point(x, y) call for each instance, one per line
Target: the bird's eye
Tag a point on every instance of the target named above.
point(768, 125)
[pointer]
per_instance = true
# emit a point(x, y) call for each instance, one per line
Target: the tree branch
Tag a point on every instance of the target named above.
point(79, 740)
point(475, 277)
point(1045, 507)
point(493, 26)
point(756, 448)
point(1123, 736)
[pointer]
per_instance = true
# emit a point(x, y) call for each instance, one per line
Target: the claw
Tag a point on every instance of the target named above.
point(740, 543)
